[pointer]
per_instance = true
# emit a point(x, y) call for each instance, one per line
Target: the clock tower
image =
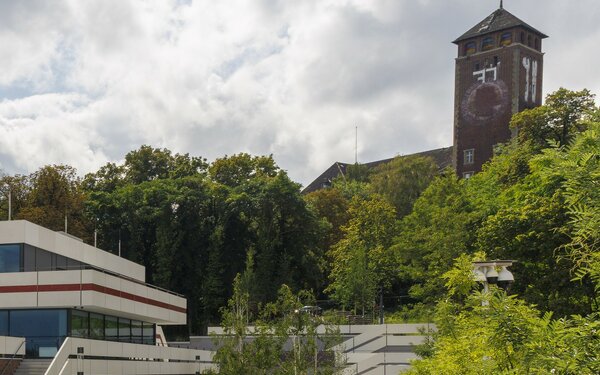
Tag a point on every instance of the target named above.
point(498, 73)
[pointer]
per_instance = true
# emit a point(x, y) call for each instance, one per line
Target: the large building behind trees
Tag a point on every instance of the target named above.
point(498, 73)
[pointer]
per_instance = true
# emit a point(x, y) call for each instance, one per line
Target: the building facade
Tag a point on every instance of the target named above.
point(499, 72)
point(66, 298)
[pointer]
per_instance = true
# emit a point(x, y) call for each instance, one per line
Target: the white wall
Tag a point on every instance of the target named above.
point(137, 359)
point(9, 345)
point(121, 297)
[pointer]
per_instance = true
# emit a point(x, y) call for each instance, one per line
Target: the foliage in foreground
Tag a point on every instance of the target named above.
point(283, 340)
point(493, 333)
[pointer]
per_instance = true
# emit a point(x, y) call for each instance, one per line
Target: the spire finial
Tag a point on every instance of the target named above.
point(501, 4)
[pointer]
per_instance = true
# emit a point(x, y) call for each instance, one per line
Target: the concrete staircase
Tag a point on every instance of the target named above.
point(33, 366)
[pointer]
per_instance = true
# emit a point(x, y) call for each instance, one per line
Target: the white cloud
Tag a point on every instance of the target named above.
point(84, 82)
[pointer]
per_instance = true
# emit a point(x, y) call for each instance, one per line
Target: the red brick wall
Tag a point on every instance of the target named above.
point(485, 101)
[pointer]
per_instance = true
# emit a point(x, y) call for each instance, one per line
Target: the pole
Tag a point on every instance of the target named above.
point(356, 145)
point(381, 306)
point(9, 205)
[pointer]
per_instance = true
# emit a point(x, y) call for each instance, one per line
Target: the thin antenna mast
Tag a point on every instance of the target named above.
point(356, 145)
point(9, 204)
point(501, 4)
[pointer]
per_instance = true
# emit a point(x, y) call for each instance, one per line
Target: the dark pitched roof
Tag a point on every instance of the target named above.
point(499, 20)
point(441, 156)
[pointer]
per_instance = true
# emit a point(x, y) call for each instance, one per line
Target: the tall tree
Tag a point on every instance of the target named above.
point(563, 115)
point(403, 179)
point(362, 260)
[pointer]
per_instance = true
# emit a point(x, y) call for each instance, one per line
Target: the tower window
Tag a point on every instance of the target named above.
point(522, 37)
point(529, 40)
point(487, 43)
point(469, 156)
point(470, 48)
point(537, 43)
point(496, 61)
point(506, 39)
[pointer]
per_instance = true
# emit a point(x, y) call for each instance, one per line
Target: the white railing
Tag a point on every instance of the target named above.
point(115, 358)
point(11, 346)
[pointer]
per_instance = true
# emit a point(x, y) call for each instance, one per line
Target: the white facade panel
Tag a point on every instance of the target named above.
point(91, 290)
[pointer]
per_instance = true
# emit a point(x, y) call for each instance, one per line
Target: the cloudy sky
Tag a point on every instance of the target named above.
point(84, 82)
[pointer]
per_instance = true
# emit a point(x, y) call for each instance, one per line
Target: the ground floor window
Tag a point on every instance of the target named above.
point(46, 329)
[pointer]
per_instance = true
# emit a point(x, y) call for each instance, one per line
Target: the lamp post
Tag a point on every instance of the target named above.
point(486, 272)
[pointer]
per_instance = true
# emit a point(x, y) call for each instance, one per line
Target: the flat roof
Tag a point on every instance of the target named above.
point(22, 231)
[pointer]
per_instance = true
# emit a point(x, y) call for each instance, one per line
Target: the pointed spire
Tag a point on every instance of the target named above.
point(501, 4)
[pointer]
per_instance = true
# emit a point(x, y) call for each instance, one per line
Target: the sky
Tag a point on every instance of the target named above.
point(84, 82)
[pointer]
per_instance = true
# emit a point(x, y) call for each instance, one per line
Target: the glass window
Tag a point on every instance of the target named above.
point(506, 39)
point(487, 43)
point(79, 323)
point(43, 260)
point(124, 329)
point(136, 331)
point(43, 329)
point(28, 258)
point(148, 332)
point(467, 175)
point(469, 156)
point(96, 326)
point(73, 264)
point(111, 330)
point(3, 323)
point(47, 323)
point(470, 48)
point(10, 258)
point(61, 262)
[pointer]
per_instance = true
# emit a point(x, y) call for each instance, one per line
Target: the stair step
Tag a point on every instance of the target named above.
point(33, 367)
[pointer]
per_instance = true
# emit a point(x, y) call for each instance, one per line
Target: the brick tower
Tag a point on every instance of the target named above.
point(498, 73)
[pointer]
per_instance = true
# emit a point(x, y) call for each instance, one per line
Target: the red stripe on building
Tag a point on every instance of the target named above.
point(89, 287)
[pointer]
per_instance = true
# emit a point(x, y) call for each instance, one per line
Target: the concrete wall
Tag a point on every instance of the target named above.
point(110, 358)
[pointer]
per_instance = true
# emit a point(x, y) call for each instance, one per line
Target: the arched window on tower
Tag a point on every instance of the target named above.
point(487, 43)
point(522, 38)
point(537, 44)
point(506, 39)
point(529, 40)
point(470, 48)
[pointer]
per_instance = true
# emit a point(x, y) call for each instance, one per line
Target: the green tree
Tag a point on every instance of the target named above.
point(238, 169)
point(504, 335)
point(55, 194)
point(260, 349)
point(439, 228)
point(362, 259)
point(402, 180)
point(563, 114)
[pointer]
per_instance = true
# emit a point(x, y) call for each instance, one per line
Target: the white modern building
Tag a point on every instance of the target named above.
point(77, 309)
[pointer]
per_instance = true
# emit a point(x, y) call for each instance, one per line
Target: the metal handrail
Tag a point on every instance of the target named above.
point(13, 357)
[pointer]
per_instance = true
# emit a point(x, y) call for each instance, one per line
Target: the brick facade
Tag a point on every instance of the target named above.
point(499, 72)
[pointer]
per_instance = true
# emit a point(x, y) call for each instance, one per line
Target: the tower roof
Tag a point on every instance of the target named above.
point(499, 20)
